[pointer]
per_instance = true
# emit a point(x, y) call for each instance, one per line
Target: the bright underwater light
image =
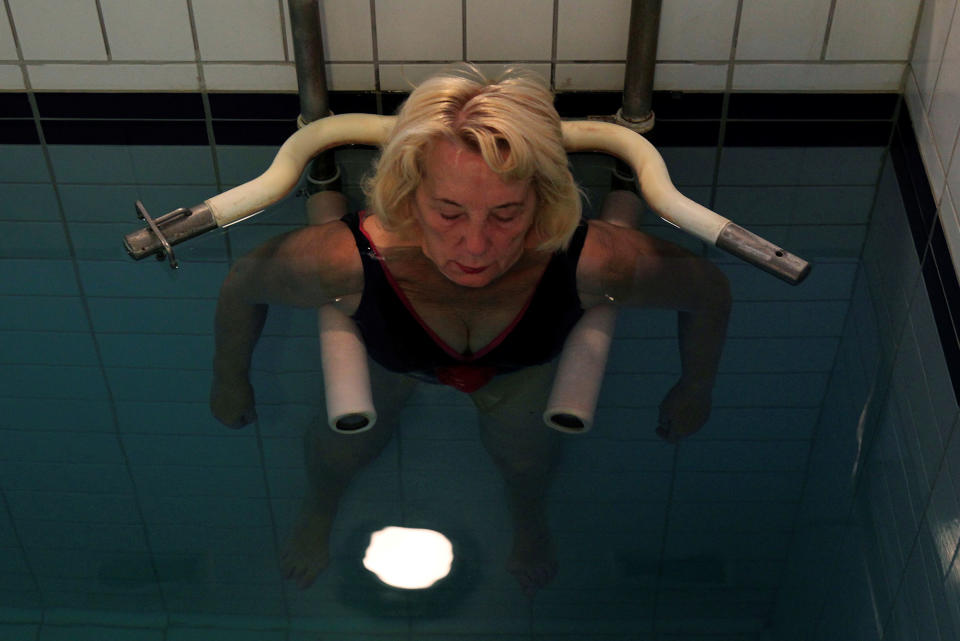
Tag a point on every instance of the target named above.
point(409, 558)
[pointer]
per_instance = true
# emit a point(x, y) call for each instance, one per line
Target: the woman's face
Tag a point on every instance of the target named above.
point(473, 225)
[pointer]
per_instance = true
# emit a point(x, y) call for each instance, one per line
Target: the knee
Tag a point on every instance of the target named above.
point(535, 469)
point(340, 454)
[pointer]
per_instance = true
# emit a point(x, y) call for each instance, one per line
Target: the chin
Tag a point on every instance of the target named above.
point(470, 280)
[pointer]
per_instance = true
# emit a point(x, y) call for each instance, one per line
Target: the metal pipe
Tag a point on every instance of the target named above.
point(312, 85)
point(637, 103)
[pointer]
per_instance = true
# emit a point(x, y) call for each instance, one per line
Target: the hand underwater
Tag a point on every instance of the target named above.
point(232, 403)
point(684, 410)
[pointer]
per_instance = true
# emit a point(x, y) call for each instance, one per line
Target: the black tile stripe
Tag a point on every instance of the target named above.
point(124, 132)
point(677, 105)
point(677, 133)
point(260, 106)
point(667, 105)
point(18, 132)
point(939, 275)
point(121, 106)
point(254, 106)
point(683, 119)
point(253, 132)
point(581, 104)
point(913, 179)
point(15, 105)
point(822, 133)
point(810, 106)
point(943, 291)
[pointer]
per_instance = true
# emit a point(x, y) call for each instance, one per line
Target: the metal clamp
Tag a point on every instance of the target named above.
point(167, 251)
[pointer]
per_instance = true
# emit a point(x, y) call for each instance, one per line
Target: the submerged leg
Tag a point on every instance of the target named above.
point(332, 460)
point(525, 451)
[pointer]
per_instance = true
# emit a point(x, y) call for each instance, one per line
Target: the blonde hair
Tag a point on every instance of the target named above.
point(510, 121)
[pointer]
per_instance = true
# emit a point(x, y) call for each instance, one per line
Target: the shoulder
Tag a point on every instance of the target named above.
point(384, 238)
point(305, 267)
point(634, 268)
point(611, 253)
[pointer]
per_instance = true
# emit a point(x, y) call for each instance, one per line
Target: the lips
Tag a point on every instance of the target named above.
point(471, 270)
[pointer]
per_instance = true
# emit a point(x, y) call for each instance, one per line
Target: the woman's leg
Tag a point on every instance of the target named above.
point(526, 451)
point(332, 460)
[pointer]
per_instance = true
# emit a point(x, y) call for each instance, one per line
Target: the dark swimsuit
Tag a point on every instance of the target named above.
point(397, 338)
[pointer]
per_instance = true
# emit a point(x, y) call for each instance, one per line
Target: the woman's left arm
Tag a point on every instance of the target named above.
point(635, 269)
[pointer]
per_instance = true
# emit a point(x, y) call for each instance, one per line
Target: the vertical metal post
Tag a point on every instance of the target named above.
point(312, 85)
point(641, 62)
point(636, 109)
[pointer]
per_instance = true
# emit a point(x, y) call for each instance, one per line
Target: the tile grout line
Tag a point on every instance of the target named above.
point(103, 31)
point(665, 537)
point(818, 424)
point(827, 31)
point(111, 399)
point(872, 438)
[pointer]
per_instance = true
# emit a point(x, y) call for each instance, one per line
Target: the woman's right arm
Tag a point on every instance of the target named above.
point(307, 268)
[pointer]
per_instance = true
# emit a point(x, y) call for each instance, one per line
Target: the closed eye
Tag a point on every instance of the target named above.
point(507, 213)
point(448, 209)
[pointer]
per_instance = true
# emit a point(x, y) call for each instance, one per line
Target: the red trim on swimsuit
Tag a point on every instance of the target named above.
point(466, 358)
point(399, 339)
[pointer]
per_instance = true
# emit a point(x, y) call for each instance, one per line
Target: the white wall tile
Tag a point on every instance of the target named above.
point(953, 173)
point(343, 77)
point(593, 30)
point(587, 30)
point(260, 77)
point(931, 39)
point(249, 30)
point(488, 39)
point(8, 50)
point(587, 77)
point(921, 127)
point(696, 29)
point(56, 30)
point(11, 78)
point(347, 30)
point(818, 77)
point(397, 77)
point(114, 77)
point(944, 110)
point(782, 29)
point(872, 29)
point(148, 29)
point(419, 30)
point(493, 70)
point(690, 77)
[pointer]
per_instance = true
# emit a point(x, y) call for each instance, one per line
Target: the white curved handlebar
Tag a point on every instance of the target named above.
point(282, 175)
point(655, 184)
point(291, 159)
point(584, 135)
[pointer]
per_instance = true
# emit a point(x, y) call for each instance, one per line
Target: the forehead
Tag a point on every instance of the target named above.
point(443, 153)
point(449, 163)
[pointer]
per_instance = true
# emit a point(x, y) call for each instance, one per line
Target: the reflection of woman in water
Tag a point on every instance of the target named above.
point(469, 269)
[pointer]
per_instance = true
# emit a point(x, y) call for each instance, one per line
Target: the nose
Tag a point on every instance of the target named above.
point(475, 240)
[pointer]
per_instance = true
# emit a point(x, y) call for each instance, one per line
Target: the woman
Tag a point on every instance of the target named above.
point(469, 269)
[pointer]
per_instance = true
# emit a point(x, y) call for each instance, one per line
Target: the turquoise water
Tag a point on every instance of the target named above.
point(818, 503)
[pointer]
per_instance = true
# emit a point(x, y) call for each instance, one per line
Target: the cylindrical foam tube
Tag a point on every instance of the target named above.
point(346, 377)
point(343, 355)
point(576, 386)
